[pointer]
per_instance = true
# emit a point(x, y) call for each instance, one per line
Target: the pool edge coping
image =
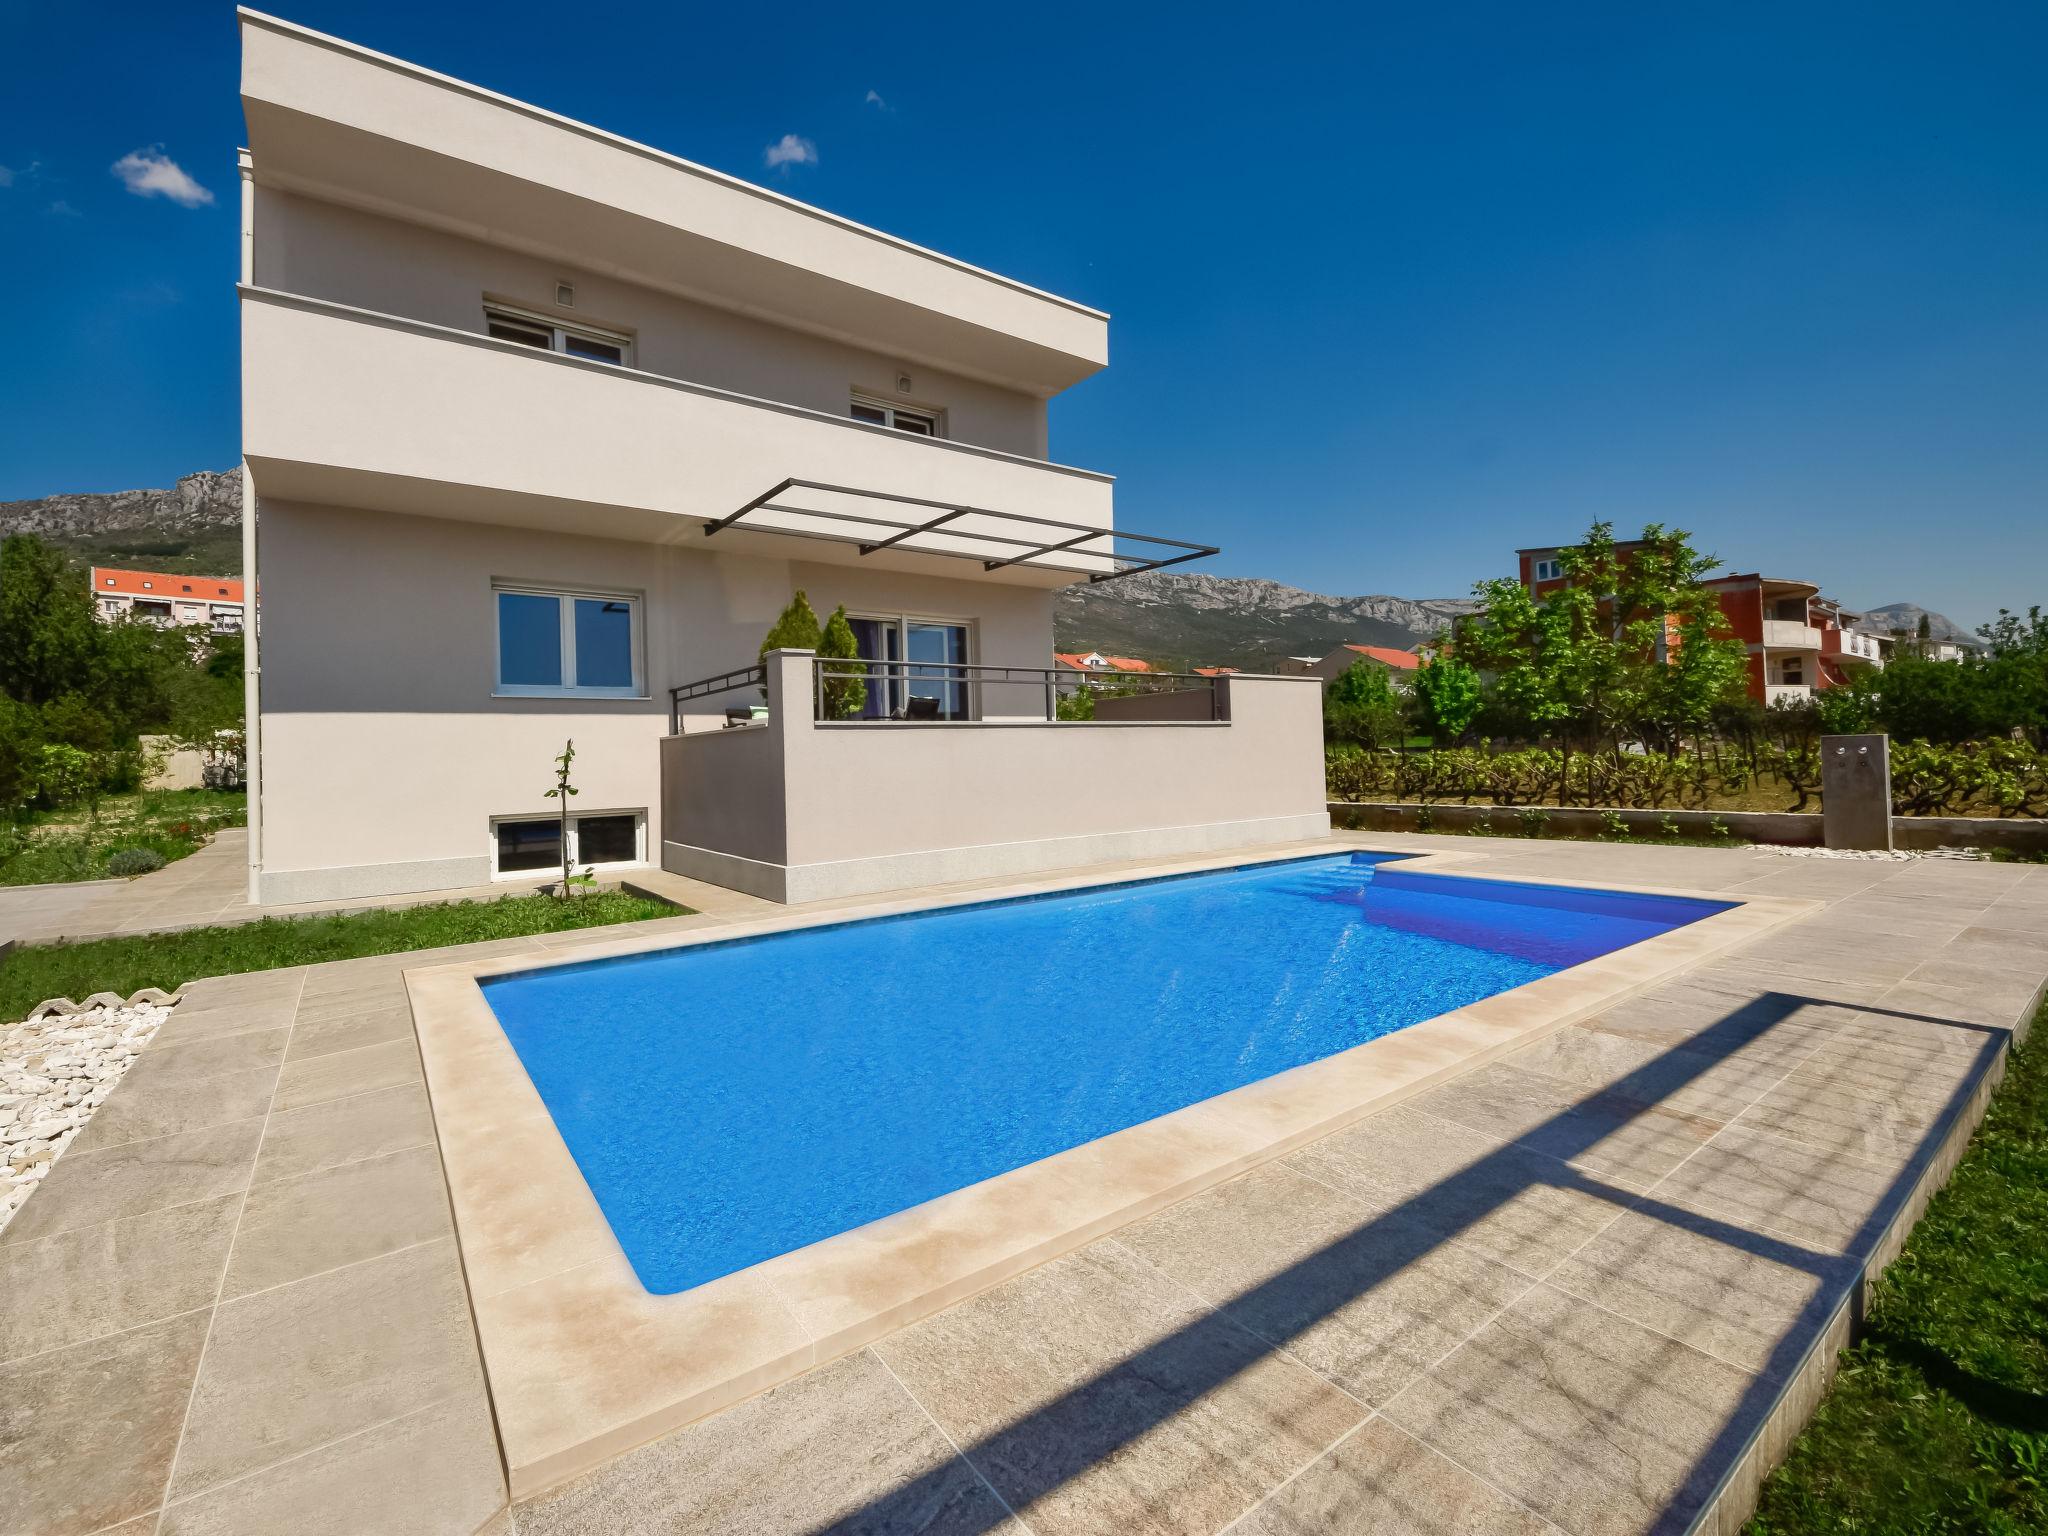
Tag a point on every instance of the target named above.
point(583, 1364)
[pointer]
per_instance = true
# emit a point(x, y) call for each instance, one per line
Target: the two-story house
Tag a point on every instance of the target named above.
point(543, 427)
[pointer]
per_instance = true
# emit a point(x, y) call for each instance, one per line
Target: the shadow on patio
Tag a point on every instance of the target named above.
point(1613, 1415)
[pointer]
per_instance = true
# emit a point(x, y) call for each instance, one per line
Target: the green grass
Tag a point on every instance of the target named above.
point(71, 845)
point(1938, 1421)
point(37, 971)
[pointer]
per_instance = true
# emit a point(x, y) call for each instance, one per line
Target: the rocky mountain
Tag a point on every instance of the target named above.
point(194, 526)
point(1906, 616)
point(1236, 621)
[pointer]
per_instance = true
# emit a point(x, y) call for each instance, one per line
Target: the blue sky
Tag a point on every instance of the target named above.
point(1396, 289)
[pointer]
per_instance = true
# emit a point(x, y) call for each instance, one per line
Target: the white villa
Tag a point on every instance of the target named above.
point(542, 428)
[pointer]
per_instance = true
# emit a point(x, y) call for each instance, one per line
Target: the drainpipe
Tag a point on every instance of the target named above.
point(252, 671)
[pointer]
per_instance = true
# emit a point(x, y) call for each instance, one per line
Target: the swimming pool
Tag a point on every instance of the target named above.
point(734, 1100)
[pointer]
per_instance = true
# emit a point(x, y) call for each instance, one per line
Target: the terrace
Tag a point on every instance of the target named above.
point(1650, 1209)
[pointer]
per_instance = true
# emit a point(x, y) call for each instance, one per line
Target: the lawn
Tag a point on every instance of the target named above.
point(72, 844)
point(1938, 1421)
point(167, 960)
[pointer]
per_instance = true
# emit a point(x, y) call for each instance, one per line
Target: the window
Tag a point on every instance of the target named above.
point(1549, 570)
point(880, 413)
point(568, 643)
point(526, 844)
point(932, 649)
point(571, 341)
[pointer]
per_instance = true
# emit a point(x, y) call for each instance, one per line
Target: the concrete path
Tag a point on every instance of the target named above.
point(1558, 1292)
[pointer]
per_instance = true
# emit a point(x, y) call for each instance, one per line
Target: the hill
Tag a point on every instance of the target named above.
point(1236, 621)
point(193, 527)
point(1906, 616)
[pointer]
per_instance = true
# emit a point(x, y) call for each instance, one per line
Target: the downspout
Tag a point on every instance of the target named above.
point(252, 671)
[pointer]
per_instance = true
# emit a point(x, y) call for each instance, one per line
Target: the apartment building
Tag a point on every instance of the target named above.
point(168, 600)
point(543, 427)
point(1799, 641)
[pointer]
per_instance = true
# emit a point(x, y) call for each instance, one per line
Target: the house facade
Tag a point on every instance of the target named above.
point(542, 428)
point(1799, 642)
point(168, 600)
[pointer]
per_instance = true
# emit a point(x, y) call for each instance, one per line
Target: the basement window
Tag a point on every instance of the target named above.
point(880, 413)
point(523, 845)
point(571, 341)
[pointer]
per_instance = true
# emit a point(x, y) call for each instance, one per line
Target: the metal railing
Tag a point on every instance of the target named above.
point(755, 676)
point(958, 691)
point(927, 692)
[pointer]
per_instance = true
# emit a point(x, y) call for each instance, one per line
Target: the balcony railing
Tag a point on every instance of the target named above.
point(951, 692)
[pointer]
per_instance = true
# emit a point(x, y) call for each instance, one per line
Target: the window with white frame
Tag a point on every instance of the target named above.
point(531, 330)
point(567, 643)
point(904, 418)
point(597, 839)
point(1549, 570)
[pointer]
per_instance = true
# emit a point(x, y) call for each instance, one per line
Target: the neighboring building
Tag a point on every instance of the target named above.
point(542, 428)
point(166, 600)
point(1401, 664)
point(1216, 671)
point(1798, 641)
point(1095, 661)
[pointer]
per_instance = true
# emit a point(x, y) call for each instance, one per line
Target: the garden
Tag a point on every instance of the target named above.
point(1624, 689)
point(86, 710)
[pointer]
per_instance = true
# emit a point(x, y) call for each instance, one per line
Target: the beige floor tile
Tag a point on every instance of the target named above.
point(96, 1280)
point(842, 1448)
point(434, 1472)
point(349, 1031)
point(325, 1135)
point(347, 1073)
point(296, 1227)
point(1750, 1298)
point(160, 1063)
point(1595, 1423)
point(1621, 1139)
point(1097, 1396)
point(87, 1433)
point(1809, 1106)
point(291, 1369)
point(140, 1108)
point(1694, 1080)
point(191, 1021)
point(1367, 1301)
point(1515, 1206)
point(1381, 1481)
point(85, 1188)
point(1820, 1196)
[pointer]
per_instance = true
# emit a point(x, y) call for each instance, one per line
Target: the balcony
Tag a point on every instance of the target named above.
point(1787, 693)
point(794, 808)
point(1854, 645)
point(1790, 635)
point(348, 408)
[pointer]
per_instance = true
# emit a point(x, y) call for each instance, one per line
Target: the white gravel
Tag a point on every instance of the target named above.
point(54, 1072)
point(1896, 856)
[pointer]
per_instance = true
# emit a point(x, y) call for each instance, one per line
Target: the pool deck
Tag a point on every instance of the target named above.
point(1563, 1290)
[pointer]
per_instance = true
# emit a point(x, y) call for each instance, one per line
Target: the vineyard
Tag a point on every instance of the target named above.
point(1980, 778)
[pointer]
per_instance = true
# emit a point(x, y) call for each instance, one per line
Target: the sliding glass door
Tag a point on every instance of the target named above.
point(909, 659)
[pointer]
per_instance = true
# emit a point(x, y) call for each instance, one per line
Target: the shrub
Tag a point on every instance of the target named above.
point(1533, 819)
point(845, 696)
point(1613, 824)
point(124, 862)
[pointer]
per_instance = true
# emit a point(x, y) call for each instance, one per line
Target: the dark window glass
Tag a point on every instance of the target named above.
point(870, 413)
point(529, 845)
point(605, 840)
point(923, 426)
point(529, 640)
point(591, 347)
point(604, 643)
point(518, 330)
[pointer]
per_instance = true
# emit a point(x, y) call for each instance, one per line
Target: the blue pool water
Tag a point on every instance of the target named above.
point(731, 1101)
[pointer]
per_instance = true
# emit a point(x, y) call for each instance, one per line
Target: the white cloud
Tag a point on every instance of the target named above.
point(152, 173)
point(790, 150)
point(6, 177)
point(63, 210)
point(874, 99)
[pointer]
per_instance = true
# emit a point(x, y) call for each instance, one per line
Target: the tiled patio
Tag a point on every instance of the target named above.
point(1559, 1292)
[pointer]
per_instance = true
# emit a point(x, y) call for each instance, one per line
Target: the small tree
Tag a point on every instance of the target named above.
point(845, 695)
point(796, 629)
point(563, 791)
point(1448, 697)
point(1359, 705)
